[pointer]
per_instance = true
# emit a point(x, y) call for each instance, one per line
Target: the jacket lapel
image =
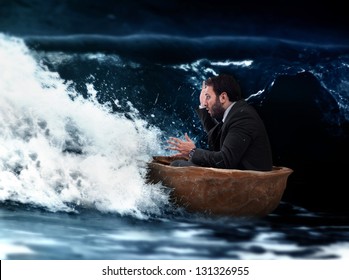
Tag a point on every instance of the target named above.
point(214, 136)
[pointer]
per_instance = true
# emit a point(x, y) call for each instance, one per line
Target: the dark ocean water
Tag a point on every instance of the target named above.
point(90, 92)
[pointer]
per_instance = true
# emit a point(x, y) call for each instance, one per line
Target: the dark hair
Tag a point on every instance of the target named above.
point(225, 83)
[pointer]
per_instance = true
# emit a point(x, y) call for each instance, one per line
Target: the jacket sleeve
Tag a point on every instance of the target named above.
point(206, 120)
point(237, 135)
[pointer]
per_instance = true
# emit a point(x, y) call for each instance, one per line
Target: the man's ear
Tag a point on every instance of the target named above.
point(223, 97)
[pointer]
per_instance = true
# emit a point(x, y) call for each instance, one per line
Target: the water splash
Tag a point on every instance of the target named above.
point(61, 153)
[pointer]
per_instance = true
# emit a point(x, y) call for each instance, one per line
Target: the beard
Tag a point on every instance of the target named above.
point(217, 110)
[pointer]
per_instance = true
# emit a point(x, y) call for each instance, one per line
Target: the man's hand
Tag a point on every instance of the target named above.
point(182, 146)
point(203, 95)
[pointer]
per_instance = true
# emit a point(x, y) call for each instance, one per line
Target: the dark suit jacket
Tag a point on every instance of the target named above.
point(241, 142)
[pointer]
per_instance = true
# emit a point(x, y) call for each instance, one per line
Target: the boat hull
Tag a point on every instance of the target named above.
point(228, 192)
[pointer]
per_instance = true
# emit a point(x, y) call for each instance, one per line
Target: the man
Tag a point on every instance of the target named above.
point(237, 137)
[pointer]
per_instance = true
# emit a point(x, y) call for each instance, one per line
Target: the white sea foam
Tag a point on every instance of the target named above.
point(58, 153)
point(7, 249)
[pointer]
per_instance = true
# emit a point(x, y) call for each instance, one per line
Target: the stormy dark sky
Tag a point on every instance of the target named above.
point(325, 21)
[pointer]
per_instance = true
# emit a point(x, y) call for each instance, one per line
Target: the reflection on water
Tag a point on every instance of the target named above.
point(289, 233)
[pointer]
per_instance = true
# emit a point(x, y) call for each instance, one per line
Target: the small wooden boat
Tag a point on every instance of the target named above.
point(225, 192)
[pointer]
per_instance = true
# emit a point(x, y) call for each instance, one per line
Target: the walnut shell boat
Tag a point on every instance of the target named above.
point(226, 192)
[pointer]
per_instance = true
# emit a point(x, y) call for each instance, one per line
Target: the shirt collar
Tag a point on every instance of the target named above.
point(226, 112)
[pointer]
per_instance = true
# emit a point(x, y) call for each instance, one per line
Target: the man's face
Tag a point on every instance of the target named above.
point(213, 104)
